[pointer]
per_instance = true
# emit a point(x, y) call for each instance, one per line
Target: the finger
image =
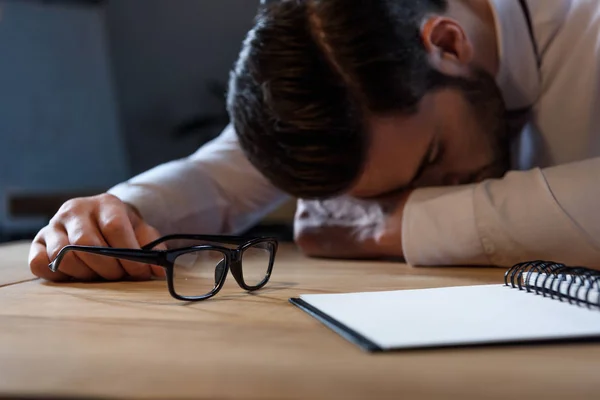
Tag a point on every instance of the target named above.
point(118, 232)
point(39, 260)
point(146, 234)
point(70, 265)
point(83, 232)
point(134, 215)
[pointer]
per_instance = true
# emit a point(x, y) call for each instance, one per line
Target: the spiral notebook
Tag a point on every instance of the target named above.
point(538, 302)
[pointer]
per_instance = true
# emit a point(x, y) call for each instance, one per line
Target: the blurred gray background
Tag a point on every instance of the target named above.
point(94, 92)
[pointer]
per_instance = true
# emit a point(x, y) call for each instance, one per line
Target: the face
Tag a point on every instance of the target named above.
point(458, 136)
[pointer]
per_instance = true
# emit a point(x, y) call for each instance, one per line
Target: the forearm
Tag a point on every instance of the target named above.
point(174, 198)
point(538, 214)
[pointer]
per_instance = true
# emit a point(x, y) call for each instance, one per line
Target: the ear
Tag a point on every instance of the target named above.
point(449, 48)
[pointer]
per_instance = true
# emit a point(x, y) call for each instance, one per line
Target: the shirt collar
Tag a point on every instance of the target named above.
point(518, 75)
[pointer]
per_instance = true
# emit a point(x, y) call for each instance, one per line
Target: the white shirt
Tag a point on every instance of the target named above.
point(547, 208)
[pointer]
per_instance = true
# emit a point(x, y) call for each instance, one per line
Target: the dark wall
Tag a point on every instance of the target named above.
point(58, 122)
point(165, 53)
point(92, 91)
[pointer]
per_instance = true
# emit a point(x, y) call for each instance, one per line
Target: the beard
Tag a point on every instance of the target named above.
point(485, 98)
point(489, 109)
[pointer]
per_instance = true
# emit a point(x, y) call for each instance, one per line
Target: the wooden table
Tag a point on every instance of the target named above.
point(131, 340)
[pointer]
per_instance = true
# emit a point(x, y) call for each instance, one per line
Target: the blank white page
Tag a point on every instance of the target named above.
point(456, 316)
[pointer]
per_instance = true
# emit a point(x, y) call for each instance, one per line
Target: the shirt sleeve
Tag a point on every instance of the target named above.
point(550, 214)
point(215, 190)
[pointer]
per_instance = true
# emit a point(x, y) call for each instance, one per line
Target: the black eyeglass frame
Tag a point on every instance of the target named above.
point(166, 258)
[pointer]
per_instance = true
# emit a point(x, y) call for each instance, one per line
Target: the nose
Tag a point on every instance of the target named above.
point(455, 180)
point(465, 179)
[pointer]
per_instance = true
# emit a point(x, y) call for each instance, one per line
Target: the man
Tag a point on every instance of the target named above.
point(396, 122)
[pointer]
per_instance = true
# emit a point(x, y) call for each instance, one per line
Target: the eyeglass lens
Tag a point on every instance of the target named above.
point(198, 273)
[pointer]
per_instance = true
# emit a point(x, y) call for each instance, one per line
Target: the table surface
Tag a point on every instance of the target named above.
point(132, 340)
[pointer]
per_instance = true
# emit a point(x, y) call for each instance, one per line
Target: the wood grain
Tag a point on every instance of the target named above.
point(13, 263)
point(132, 340)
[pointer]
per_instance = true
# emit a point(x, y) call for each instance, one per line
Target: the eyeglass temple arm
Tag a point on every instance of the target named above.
point(209, 238)
point(142, 256)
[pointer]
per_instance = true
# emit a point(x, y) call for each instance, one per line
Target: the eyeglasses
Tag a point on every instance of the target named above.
point(196, 267)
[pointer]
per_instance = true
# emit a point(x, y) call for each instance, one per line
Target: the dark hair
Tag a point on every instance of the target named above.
point(309, 74)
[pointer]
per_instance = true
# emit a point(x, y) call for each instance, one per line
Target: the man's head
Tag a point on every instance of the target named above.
point(369, 97)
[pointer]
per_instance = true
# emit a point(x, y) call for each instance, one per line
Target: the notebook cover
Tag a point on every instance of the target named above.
point(336, 326)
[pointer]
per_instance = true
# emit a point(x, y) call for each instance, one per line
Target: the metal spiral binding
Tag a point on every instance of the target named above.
point(551, 276)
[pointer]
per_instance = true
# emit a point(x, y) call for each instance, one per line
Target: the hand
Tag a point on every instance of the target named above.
point(102, 220)
point(346, 227)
